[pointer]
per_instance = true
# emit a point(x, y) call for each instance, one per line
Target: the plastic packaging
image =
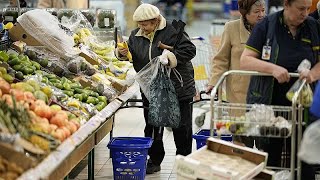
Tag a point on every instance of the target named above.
point(74, 20)
point(106, 18)
point(306, 93)
point(146, 74)
point(47, 30)
point(10, 14)
point(53, 11)
point(310, 144)
point(90, 15)
point(282, 175)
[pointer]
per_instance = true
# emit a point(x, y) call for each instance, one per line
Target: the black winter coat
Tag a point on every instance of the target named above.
point(185, 51)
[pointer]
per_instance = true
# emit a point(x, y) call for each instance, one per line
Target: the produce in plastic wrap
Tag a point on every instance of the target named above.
point(65, 14)
point(47, 30)
point(53, 11)
point(260, 113)
point(106, 18)
point(10, 14)
point(306, 93)
point(80, 66)
point(90, 15)
point(278, 126)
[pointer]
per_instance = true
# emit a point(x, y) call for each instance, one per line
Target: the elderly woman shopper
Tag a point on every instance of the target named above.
point(143, 45)
point(277, 46)
point(234, 37)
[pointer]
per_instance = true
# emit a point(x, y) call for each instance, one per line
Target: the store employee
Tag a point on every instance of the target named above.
point(277, 45)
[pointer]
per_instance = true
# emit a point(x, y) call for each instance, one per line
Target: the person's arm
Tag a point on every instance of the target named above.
point(312, 75)
point(249, 61)
point(185, 50)
point(250, 58)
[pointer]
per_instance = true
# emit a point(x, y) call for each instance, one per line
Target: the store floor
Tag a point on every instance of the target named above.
point(130, 122)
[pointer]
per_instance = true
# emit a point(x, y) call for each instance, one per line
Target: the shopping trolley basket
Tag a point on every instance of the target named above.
point(202, 67)
point(202, 62)
point(258, 119)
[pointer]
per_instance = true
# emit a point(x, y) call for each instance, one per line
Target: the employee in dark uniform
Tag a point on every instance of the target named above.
point(289, 36)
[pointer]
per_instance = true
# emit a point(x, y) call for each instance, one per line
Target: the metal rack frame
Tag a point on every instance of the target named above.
point(297, 114)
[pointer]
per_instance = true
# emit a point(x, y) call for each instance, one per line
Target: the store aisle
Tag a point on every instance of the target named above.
point(130, 122)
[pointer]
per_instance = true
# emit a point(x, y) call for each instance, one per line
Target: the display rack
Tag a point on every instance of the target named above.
point(82, 143)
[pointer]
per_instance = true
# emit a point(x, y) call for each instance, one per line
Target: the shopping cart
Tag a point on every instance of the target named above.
point(202, 67)
point(259, 120)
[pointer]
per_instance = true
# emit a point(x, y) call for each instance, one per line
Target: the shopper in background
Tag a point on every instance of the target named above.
point(234, 37)
point(316, 12)
point(51, 4)
point(13, 3)
point(143, 45)
point(172, 8)
point(276, 46)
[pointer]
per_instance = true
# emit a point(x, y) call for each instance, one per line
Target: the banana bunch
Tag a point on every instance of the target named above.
point(125, 45)
point(81, 35)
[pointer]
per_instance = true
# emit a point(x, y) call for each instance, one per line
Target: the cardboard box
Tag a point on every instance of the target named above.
point(17, 33)
point(265, 175)
point(89, 56)
point(7, 152)
point(198, 165)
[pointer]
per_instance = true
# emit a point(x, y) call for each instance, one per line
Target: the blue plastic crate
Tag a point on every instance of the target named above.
point(129, 157)
point(202, 135)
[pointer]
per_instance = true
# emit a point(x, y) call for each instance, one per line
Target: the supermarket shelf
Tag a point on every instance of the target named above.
point(60, 162)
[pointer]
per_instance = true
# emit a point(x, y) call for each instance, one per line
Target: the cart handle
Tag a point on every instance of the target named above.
point(253, 73)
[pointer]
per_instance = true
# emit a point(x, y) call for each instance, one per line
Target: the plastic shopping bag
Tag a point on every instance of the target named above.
point(146, 74)
point(306, 93)
point(310, 144)
point(164, 109)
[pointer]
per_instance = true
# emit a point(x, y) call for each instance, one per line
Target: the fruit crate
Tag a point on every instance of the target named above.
point(203, 134)
point(129, 157)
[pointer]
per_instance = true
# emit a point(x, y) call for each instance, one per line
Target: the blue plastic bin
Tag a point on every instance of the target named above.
point(203, 134)
point(129, 157)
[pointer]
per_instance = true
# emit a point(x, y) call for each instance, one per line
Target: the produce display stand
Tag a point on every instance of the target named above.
point(59, 163)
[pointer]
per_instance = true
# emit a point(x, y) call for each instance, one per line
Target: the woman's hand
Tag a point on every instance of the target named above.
point(307, 74)
point(209, 89)
point(123, 51)
point(281, 74)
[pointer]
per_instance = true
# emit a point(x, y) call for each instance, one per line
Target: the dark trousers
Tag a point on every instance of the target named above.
point(182, 135)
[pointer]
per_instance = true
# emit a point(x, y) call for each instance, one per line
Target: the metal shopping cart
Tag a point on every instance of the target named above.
point(202, 67)
point(260, 120)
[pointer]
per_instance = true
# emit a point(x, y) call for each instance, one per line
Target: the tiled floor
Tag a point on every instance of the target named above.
point(130, 122)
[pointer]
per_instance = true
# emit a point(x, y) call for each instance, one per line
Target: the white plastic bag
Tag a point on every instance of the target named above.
point(310, 144)
point(146, 74)
point(47, 30)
